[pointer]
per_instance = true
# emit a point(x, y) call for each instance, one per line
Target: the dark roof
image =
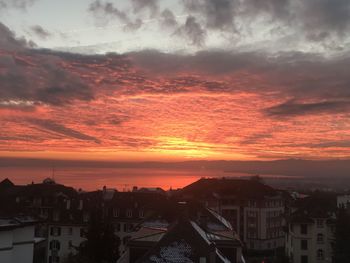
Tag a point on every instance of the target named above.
point(6, 183)
point(317, 205)
point(242, 188)
point(184, 242)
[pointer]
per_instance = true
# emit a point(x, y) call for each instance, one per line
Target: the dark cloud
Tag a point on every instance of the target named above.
point(314, 20)
point(151, 5)
point(52, 126)
point(323, 18)
point(192, 31)
point(40, 32)
point(218, 14)
point(106, 11)
point(132, 26)
point(292, 108)
point(19, 4)
point(103, 9)
point(8, 40)
point(167, 19)
point(31, 75)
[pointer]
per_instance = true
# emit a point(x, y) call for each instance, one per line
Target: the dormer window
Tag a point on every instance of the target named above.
point(129, 213)
point(116, 212)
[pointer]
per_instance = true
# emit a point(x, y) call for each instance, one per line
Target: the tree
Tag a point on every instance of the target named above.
point(342, 237)
point(101, 245)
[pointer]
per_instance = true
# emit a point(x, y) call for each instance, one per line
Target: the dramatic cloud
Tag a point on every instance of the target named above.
point(214, 104)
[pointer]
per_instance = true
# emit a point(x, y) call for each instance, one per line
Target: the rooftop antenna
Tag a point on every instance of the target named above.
point(53, 172)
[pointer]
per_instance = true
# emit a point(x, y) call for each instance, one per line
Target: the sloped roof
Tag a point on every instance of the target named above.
point(184, 242)
point(242, 188)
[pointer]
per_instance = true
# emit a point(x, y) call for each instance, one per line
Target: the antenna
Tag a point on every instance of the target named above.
point(53, 172)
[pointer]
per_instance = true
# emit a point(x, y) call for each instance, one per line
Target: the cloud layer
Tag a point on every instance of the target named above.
point(214, 104)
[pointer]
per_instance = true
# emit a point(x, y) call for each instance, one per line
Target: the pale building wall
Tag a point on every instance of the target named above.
point(66, 236)
point(294, 239)
point(17, 245)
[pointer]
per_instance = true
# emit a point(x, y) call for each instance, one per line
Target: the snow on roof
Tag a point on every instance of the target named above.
point(221, 219)
point(201, 232)
point(177, 251)
point(222, 257)
point(157, 224)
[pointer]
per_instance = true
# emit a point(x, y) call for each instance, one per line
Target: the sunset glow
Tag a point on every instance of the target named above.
point(231, 103)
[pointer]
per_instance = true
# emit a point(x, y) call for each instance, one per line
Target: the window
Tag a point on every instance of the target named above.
point(141, 214)
point(320, 255)
point(126, 239)
point(303, 244)
point(320, 238)
point(304, 259)
point(70, 231)
point(70, 244)
point(115, 212)
point(319, 223)
point(56, 215)
point(129, 213)
point(82, 232)
point(303, 229)
point(117, 227)
point(55, 231)
point(55, 245)
point(128, 227)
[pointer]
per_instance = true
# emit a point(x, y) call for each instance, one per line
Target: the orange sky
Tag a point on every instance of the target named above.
point(130, 107)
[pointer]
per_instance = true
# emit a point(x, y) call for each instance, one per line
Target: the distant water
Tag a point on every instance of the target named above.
point(120, 178)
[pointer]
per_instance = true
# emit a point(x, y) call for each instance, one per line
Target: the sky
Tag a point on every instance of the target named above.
point(141, 80)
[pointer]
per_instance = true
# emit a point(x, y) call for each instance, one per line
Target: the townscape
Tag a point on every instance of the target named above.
point(210, 220)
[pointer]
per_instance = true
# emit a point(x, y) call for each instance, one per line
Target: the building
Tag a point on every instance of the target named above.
point(17, 240)
point(254, 209)
point(310, 230)
point(196, 235)
point(126, 210)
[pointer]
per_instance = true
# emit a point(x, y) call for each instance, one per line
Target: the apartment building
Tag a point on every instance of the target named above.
point(310, 231)
point(254, 209)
